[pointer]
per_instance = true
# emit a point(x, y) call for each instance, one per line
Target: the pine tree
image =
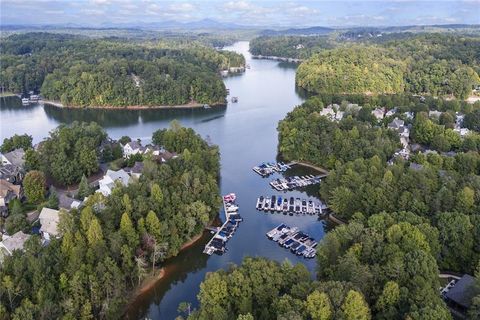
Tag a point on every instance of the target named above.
point(354, 307)
point(84, 189)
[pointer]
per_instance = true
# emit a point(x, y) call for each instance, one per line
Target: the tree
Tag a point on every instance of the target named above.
point(319, 306)
point(34, 186)
point(354, 307)
point(153, 226)
point(124, 140)
point(53, 201)
point(16, 142)
point(128, 231)
point(474, 310)
point(84, 189)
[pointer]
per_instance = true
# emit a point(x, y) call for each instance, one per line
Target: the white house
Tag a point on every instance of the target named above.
point(328, 112)
point(49, 219)
point(409, 115)
point(15, 242)
point(462, 131)
point(378, 113)
point(131, 148)
point(107, 183)
point(339, 115)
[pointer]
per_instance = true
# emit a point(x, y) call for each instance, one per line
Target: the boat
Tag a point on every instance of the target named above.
point(206, 106)
point(260, 202)
point(234, 99)
point(25, 101)
point(272, 203)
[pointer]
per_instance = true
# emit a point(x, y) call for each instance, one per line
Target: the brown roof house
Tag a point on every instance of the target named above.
point(8, 192)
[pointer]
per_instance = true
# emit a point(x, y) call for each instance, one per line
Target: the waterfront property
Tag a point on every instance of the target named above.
point(108, 182)
point(298, 242)
point(458, 294)
point(291, 205)
point(222, 234)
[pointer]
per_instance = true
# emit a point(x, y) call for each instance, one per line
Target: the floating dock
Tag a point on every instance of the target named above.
point(290, 183)
point(291, 205)
point(222, 234)
point(267, 168)
point(298, 242)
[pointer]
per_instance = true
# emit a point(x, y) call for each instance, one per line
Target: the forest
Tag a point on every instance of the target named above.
point(113, 243)
point(80, 71)
point(430, 64)
point(381, 267)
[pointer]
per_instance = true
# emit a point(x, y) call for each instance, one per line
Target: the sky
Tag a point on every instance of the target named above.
point(243, 12)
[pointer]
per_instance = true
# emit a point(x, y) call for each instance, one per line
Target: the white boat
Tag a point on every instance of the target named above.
point(25, 101)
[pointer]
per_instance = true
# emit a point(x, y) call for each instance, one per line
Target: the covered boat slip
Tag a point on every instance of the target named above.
point(291, 205)
point(299, 243)
point(222, 234)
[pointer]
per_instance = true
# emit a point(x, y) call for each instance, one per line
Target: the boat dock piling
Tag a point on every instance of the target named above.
point(299, 243)
point(222, 234)
point(291, 205)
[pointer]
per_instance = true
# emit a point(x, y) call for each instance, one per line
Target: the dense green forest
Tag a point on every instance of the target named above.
point(306, 135)
point(382, 267)
point(436, 64)
point(113, 243)
point(79, 71)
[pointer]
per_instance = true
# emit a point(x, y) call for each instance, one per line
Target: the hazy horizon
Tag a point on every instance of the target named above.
point(101, 13)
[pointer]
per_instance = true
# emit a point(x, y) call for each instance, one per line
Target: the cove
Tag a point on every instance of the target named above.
point(246, 134)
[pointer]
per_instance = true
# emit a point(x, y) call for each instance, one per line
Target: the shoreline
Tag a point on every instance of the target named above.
point(283, 59)
point(151, 281)
point(190, 105)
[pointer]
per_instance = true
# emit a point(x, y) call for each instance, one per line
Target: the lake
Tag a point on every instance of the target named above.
point(246, 133)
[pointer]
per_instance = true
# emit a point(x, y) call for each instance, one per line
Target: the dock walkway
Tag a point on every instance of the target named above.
point(291, 205)
point(222, 234)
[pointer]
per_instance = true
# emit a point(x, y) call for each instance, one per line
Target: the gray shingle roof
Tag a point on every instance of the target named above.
point(463, 291)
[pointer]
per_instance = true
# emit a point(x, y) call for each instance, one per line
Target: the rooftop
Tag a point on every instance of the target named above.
point(15, 157)
point(49, 219)
point(15, 242)
point(463, 291)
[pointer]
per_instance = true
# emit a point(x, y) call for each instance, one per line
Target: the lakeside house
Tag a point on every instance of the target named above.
point(49, 219)
point(131, 148)
point(15, 157)
point(332, 112)
point(391, 112)
point(10, 244)
point(8, 192)
point(109, 180)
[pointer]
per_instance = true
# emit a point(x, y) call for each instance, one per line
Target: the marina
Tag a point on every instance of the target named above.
point(298, 242)
point(267, 168)
point(222, 234)
point(290, 183)
point(291, 205)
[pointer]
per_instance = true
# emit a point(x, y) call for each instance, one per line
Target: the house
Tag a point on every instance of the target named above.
point(136, 170)
point(67, 203)
point(131, 148)
point(49, 219)
point(462, 131)
point(434, 114)
point(396, 124)
point(339, 115)
point(391, 112)
point(459, 293)
point(328, 112)
point(15, 242)
point(153, 149)
point(378, 113)
point(165, 156)
point(12, 173)
point(351, 107)
point(107, 183)
point(8, 192)
point(459, 117)
point(14, 157)
point(409, 115)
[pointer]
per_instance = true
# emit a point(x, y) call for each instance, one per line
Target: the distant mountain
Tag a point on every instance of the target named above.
point(299, 31)
point(173, 24)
